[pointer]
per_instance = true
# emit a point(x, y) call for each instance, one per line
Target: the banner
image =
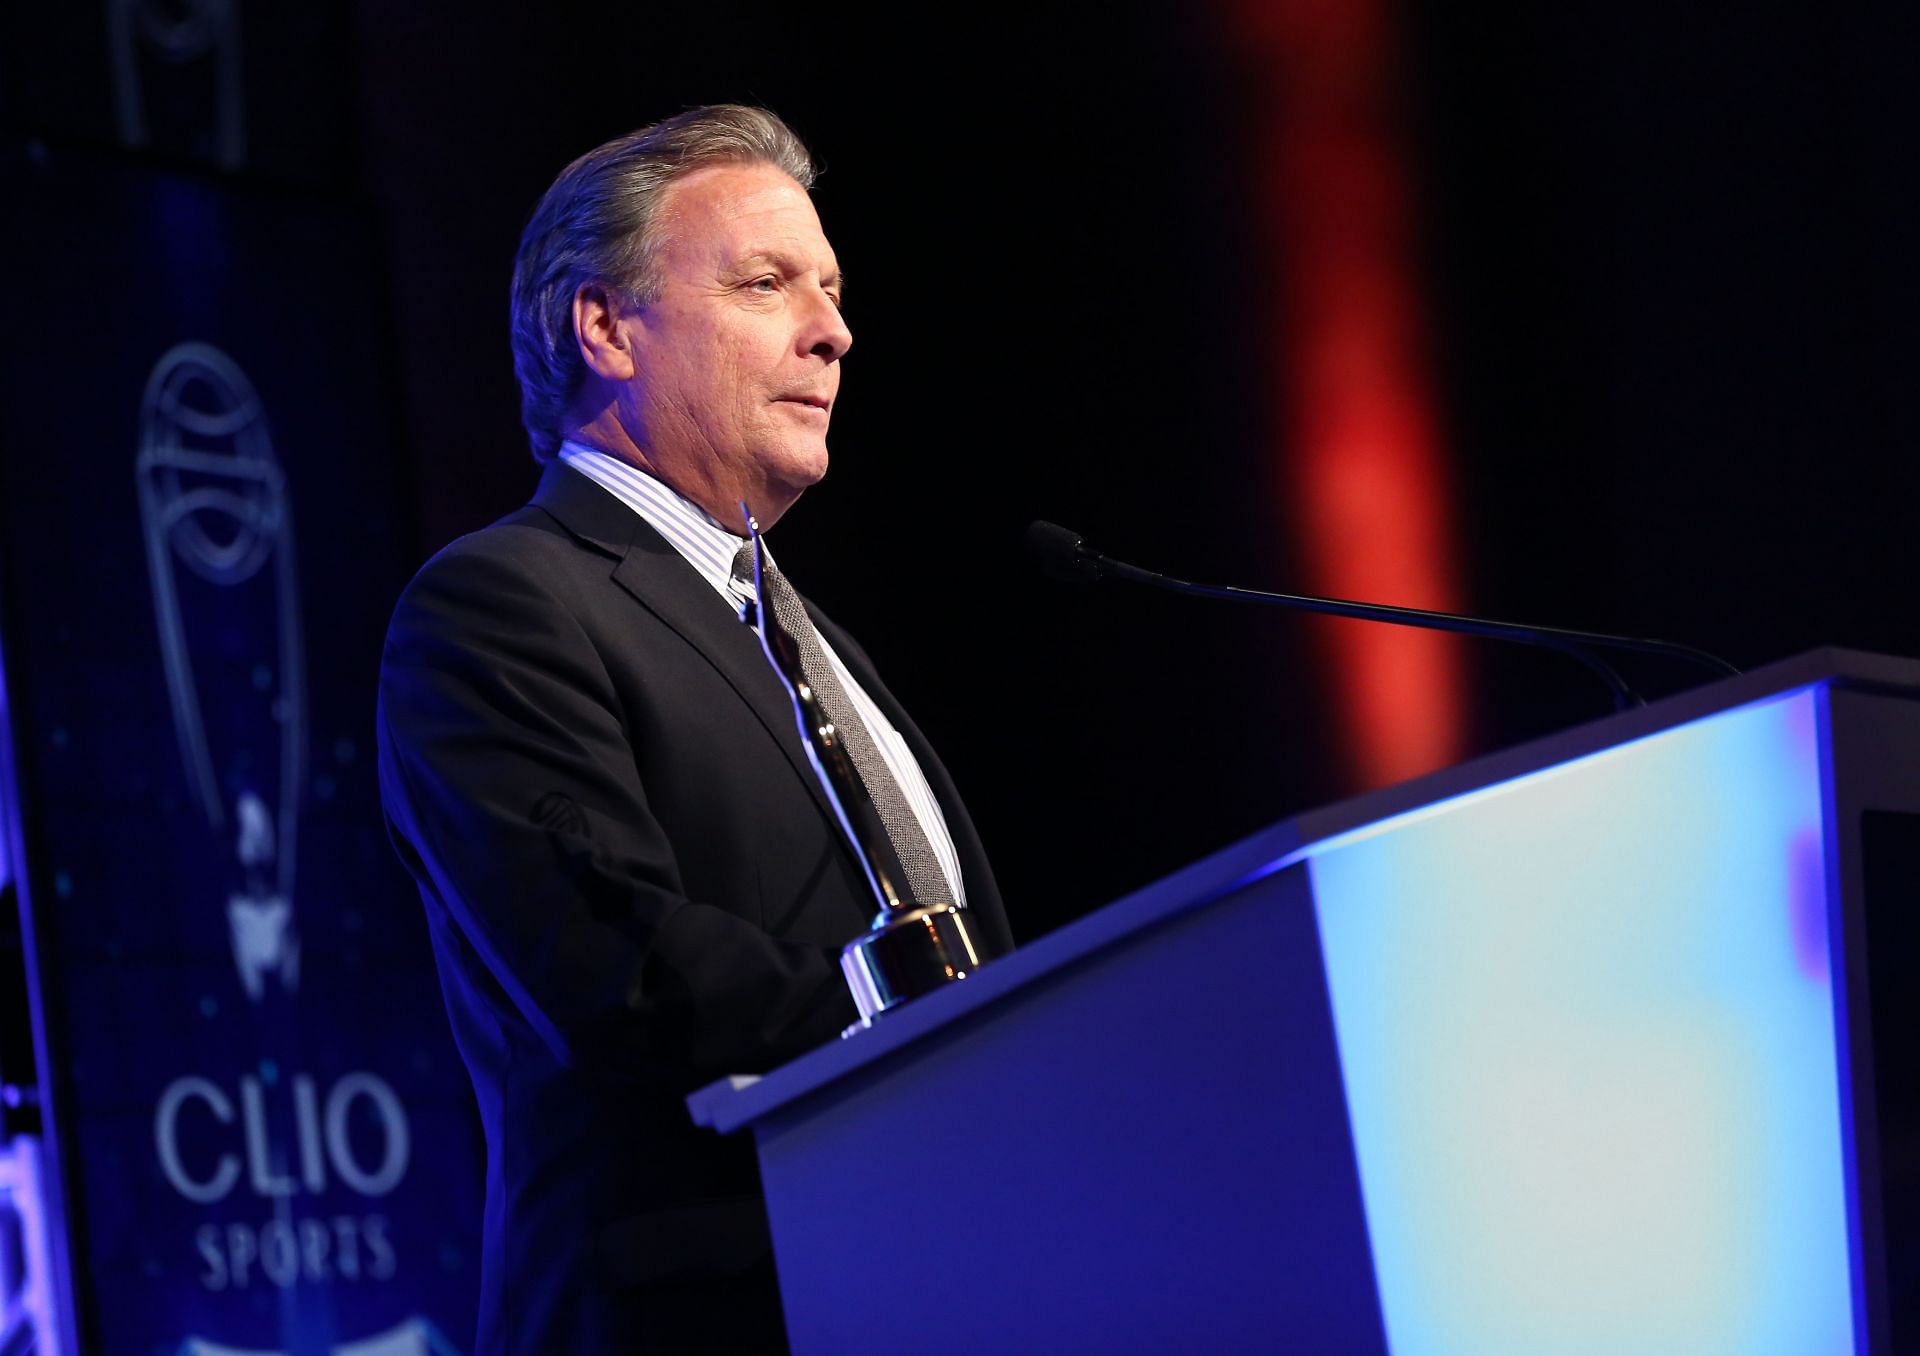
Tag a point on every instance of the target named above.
point(264, 1138)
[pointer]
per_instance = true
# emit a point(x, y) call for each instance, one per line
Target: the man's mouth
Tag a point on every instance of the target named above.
point(812, 402)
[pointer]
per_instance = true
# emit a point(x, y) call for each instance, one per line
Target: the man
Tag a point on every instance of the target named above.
point(633, 882)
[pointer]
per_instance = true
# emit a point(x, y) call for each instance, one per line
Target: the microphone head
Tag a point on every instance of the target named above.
point(1061, 554)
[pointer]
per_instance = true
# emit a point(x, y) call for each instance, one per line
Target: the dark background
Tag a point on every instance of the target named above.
point(1668, 262)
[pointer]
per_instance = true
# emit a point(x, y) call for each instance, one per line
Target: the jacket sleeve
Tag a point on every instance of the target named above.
point(513, 796)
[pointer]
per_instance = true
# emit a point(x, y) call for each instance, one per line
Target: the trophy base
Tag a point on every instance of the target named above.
point(920, 951)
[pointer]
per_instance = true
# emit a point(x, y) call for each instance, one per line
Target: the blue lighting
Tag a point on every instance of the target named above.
point(26, 1287)
point(1586, 1028)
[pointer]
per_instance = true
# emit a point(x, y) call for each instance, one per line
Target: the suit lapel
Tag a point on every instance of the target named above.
point(657, 577)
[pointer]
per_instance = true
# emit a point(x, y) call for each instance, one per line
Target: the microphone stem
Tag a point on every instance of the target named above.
point(1574, 644)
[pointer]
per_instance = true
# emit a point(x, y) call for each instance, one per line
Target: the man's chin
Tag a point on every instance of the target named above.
point(785, 479)
point(802, 467)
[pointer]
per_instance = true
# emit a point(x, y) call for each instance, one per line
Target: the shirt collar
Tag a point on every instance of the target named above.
point(696, 534)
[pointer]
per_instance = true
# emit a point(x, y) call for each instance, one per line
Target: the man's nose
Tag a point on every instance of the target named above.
point(827, 335)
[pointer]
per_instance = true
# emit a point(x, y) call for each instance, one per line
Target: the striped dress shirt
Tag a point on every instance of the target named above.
point(710, 549)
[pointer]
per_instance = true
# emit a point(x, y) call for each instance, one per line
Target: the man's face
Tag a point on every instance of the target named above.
point(738, 356)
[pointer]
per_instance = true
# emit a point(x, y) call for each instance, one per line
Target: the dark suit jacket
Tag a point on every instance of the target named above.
point(634, 886)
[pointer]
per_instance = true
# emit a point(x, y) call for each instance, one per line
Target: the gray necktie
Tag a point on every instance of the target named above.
point(925, 880)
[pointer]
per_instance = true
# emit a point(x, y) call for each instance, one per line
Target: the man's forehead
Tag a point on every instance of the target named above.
point(729, 214)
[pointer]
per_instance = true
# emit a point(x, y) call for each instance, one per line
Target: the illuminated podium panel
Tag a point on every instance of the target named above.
point(1569, 1049)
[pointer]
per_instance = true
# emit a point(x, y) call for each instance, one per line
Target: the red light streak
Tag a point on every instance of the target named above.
point(1361, 478)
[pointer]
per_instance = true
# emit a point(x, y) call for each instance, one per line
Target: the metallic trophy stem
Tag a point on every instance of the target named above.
point(912, 948)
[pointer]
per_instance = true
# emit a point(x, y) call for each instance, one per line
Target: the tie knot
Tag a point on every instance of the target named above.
point(743, 563)
point(776, 597)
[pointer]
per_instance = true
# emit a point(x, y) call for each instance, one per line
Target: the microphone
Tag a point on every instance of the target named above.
point(1063, 554)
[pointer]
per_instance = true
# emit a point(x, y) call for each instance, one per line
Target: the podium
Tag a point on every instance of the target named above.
point(1597, 1044)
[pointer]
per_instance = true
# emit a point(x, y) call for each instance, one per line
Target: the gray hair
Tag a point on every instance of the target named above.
point(598, 222)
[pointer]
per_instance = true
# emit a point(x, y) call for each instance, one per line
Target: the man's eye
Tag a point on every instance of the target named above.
point(764, 285)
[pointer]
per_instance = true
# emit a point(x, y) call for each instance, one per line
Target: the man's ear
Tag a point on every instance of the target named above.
point(597, 329)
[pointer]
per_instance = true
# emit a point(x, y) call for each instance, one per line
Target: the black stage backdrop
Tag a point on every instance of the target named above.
point(1672, 279)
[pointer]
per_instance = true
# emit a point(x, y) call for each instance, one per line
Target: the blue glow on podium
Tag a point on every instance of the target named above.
point(1586, 1027)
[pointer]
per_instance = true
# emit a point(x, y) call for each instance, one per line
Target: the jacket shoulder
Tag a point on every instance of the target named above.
point(529, 534)
point(526, 553)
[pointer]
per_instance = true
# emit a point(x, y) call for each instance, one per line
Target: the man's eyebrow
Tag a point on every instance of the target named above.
point(786, 264)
